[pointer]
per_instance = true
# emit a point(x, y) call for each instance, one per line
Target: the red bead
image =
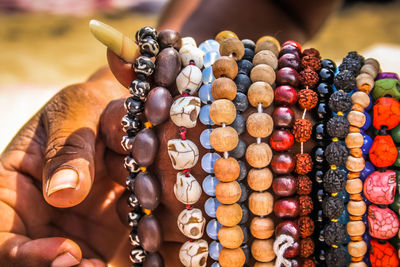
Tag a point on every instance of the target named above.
point(285, 95)
point(287, 208)
point(292, 43)
point(292, 251)
point(289, 49)
point(283, 117)
point(386, 113)
point(282, 163)
point(288, 76)
point(288, 228)
point(383, 255)
point(284, 186)
point(281, 140)
point(383, 152)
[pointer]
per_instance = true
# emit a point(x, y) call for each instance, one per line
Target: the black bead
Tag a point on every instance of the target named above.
point(133, 106)
point(333, 207)
point(338, 126)
point(244, 193)
point(336, 257)
point(146, 32)
point(326, 75)
point(323, 111)
point(324, 90)
point(131, 165)
point(329, 64)
point(340, 101)
point(336, 154)
point(320, 195)
point(148, 46)
point(319, 175)
point(134, 238)
point(246, 250)
point(133, 201)
point(239, 124)
point(137, 255)
point(249, 44)
point(334, 233)
point(133, 218)
point(248, 54)
point(241, 102)
point(334, 181)
point(244, 66)
point(242, 82)
point(319, 132)
point(245, 231)
point(245, 214)
point(130, 181)
point(243, 170)
point(345, 80)
point(239, 150)
point(139, 89)
point(318, 154)
point(131, 124)
point(144, 65)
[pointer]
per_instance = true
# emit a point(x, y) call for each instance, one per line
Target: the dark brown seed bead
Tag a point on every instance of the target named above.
point(153, 260)
point(287, 208)
point(288, 228)
point(149, 231)
point(284, 186)
point(157, 106)
point(282, 163)
point(144, 147)
point(283, 117)
point(168, 66)
point(288, 76)
point(169, 38)
point(148, 190)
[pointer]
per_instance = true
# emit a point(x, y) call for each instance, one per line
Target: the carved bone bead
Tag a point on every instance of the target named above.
point(187, 189)
point(189, 79)
point(184, 111)
point(194, 254)
point(191, 223)
point(184, 154)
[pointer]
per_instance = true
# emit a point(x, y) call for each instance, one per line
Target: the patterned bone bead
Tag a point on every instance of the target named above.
point(194, 254)
point(148, 46)
point(131, 165)
point(184, 111)
point(190, 54)
point(144, 65)
point(137, 255)
point(354, 140)
point(191, 223)
point(189, 79)
point(139, 89)
point(131, 124)
point(126, 143)
point(187, 189)
point(184, 154)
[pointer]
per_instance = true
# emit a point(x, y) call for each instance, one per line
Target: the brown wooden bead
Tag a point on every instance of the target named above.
point(354, 186)
point(259, 179)
point(355, 164)
point(147, 189)
point(267, 45)
point(263, 73)
point(169, 38)
point(231, 257)
point(356, 118)
point(230, 237)
point(259, 125)
point(262, 250)
point(222, 111)
point(223, 88)
point(228, 193)
point(258, 155)
point(361, 99)
point(365, 82)
point(232, 47)
point(224, 139)
point(261, 203)
point(229, 215)
point(145, 147)
point(168, 66)
point(150, 234)
point(225, 67)
point(356, 152)
point(355, 228)
point(357, 249)
point(356, 208)
point(227, 169)
point(264, 264)
point(354, 140)
point(224, 35)
point(158, 105)
point(266, 57)
point(260, 92)
point(262, 228)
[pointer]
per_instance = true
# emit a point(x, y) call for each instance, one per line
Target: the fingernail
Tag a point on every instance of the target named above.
point(120, 44)
point(62, 179)
point(64, 260)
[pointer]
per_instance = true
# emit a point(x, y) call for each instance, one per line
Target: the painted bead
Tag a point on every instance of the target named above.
point(386, 87)
point(158, 105)
point(144, 147)
point(168, 66)
point(380, 187)
point(150, 233)
point(194, 254)
point(147, 190)
point(386, 113)
point(209, 184)
point(135, 106)
point(191, 54)
point(208, 161)
point(144, 65)
point(204, 115)
point(212, 229)
point(383, 223)
point(224, 139)
point(210, 206)
point(184, 154)
point(187, 189)
point(383, 152)
point(189, 79)
point(191, 223)
point(184, 111)
point(383, 254)
point(285, 95)
point(229, 215)
point(281, 140)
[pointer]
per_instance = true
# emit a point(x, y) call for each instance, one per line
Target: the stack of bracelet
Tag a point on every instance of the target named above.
point(287, 234)
point(224, 139)
point(307, 100)
point(321, 114)
point(380, 186)
point(184, 155)
point(355, 163)
point(258, 154)
point(143, 146)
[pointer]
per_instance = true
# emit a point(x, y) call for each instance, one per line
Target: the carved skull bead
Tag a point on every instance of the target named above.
point(186, 189)
point(184, 111)
point(184, 154)
point(194, 254)
point(191, 223)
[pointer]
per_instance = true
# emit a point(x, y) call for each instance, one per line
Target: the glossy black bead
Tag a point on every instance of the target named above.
point(239, 124)
point(133, 201)
point(129, 181)
point(319, 175)
point(134, 107)
point(320, 195)
point(323, 111)
point(243, 170)
point(244, 66)
point(329, 64)
point(131, 124)
point(133, 218)
point(245, 231)
point(324, 90)
point(248, 54)
point(318, 154)
point(245, 214)
point(242, 82)
point(148, 46)
point(144, 65)
point(244, 194)
point(249, 44)
point(239, 150)
point(326, 75)
point(146, 32)
point(319, 132)
point(139, 89)
point(241, 102)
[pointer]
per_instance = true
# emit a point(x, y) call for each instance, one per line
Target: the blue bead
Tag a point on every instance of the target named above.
point(205, 93)
point(208, 76)
point(205, 115)
point(209, 45)
point(370, 103)
point(344, 218)
point(368, 169)
point(344, 196)
point(211, 206)
point(212, 229)
point(208, 161)
point(214, 249)
point(209, 184)
point(215, 264)
point(367, 144)
point(205, 138)
point(210, 57)
point(368, 121)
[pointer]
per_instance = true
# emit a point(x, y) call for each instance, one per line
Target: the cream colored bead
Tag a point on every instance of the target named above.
point(365, 82)
point(185, 111)
point(355, 164)
point(356, 208)
point(356, 118)
point(184, 154)
point(187, 189)
point(354, 140)
point(188, 41)
point(354, 186)
point(191, 223)
point(358, 264)
point(190, 53)
point(189, 79)
point(361, 99)
point(263, 73)
point(194, 254)
point(357, 249)
point(266, 57)
point(355, 228)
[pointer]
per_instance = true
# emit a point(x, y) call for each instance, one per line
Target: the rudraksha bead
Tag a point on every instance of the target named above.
point(338, 126)
point(307, 99)
point(304, 185)
point(335, 233)
point(308, 77)
point(340, 101)
point(336, 154)
point(302, 130)
point(334, 181)
point(333, 207)
point(304, 163)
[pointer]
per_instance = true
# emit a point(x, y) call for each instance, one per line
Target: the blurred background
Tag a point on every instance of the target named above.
point(46, 44)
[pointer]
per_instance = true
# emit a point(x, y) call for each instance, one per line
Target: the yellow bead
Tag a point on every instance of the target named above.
point(224, 35)
point(269, 39)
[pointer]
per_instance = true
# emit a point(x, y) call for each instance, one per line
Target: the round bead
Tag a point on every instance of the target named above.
point(227, 169)
point(223, 88)
point(229, 215)
point(212, 229)
point(302, 130)
point(222, 111)
point(168, 66)
point(262, 228)
point(231, 47)
point(285, 95)
point(191, 223)
point(365, 82)
point(146, 32)
point(289, 60)
point(281, 140)
point(263, 73)
point(261, 203)
point(228, 193)
point(153, 260)
point(169, 38)
point(208, 161)
point(241, 103)
point(282, 163)
point(189, 79)
point(150, 234)
point(287, 208)
point(354, 164)
point(230, 237)
point(369, 69)
point(225, 67)
point(209, 45)
point(209, 184)
point(232, 257)
point(284, 186)
point(267, 45)
point(354, 140)
point(266, 57)
point(356, 208)
point(147, 189)
point(224, 139)
point(283, 117)
point(204, 115)
point(139, 89)
point(361, 99)
point(262, 250)
point(239, 124)
point(210, 206)
point(187, 189)
point(188, 41)
point(224, 35)
point(259, 179)
point(158, 105)
point(242, 82)
point(205, 138)
point(306, 226)
point(244, 66)
point(356, 118)
point(354, 186)
point(288, 228)
point(207, 75)
point(289, 49)
point(307, 99)
point(269, 39)
point(259, 125)
point(355, 228)
point(144, 65)
point(287, 76)
point(258, 155)
point(210, 57)
point(260, 92)
point(357, 249)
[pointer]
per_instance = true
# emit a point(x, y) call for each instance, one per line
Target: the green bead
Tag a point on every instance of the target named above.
point(395, 133)
point(386, 87)
point(397, 162)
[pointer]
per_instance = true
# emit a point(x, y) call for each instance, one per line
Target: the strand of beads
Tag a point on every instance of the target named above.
point(355, 163)
point(383, 222)
point(184, 155)
point(286, 245)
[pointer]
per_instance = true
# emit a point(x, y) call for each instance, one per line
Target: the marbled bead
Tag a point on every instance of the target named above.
point(207, 75)
point(210, 206)
point(208, 161)
point(209, 184)
point(214, 250)
point(187, 189)
point(205, 115)
point(209, 45)
point(184, 111)
point(212, 229)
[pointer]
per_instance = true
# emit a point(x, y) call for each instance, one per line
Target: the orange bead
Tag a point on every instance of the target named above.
point(386, 113)
point(224, 35)
point(383, 152)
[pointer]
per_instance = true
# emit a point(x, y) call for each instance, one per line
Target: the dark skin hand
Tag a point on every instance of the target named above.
point(77, 136)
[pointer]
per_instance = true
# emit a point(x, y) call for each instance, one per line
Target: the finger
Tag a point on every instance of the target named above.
point(92, 263)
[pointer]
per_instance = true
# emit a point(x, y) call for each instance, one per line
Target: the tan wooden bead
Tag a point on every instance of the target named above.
point(232, 47)
point(224, 139)
point(260, 92)
point(224, 35)
point(354, 140)
point(225, 67)
point(262, 228)
point(373, 62)
point(355, 164)
point(227, 169)
point(231, 257)
point(222, 111)
point(258, 155)
point(228, 193)
point(357, 249)
point(358, 264)
point(262, 250)
point(365, 82)
point(229, 215)
point(266, 57)
point(369, 69)
point(355, 228)
point(361, 99)
point(259, 179)
point(259, 125)
point(230, 237)
point(354, 186)
point(223, 88)
point(264, 264)
point(263, 73)
point(356, 208)
point(261, 203)
point(356, 118)
point(267, 45)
